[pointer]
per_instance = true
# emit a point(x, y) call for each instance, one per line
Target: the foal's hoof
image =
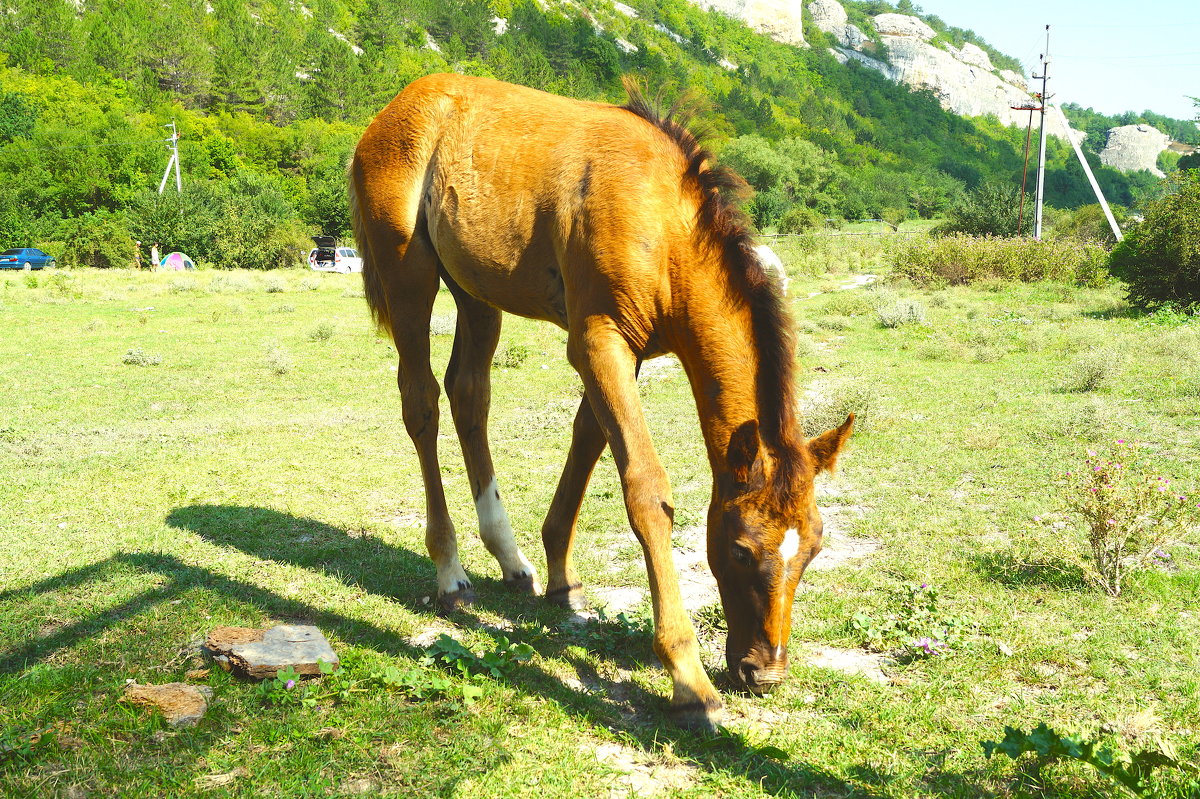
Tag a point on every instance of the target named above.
point(570, 597)
point(456, 600)
point(524, 582)
point(699, 717)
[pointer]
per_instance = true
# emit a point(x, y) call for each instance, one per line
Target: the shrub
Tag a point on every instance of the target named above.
point(278, 360)
point(100, 240)
point(1093, 370)
point(829, 408)
point(1160, 258)
point(847, 303)
point(1089, 224)
point(322, 332)
point(136, 357)
point(511, 357)
point(901, 312)
point(959, 259)
point(1128, 514)
point(442, 324)
point(800, 220)
point(990, 209)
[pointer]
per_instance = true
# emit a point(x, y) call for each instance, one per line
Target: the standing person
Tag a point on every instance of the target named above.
point(154, 256)
point(137, 255)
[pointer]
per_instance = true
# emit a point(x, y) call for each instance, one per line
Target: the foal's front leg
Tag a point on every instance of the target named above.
point(607, 366)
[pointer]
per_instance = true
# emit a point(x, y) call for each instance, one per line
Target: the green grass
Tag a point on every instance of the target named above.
point(146, 503)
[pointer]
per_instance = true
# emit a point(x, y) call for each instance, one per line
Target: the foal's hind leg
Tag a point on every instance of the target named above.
point(469, 385)
point(412, 288)
point(563, 586)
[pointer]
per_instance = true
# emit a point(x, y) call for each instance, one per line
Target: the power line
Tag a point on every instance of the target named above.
point(1114, 57)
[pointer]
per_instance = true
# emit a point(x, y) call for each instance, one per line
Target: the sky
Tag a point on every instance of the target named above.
point(1112, 55)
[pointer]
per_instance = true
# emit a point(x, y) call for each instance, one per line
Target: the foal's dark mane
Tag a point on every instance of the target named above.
point(726, 226)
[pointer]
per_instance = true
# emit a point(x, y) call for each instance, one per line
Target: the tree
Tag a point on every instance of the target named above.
point(988, 210)
point(17, 116)
point(1160, 258)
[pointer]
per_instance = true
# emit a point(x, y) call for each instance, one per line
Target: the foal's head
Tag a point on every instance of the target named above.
point(763, 530)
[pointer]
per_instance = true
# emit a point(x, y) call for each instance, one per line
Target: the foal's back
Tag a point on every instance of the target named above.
point(527, 198)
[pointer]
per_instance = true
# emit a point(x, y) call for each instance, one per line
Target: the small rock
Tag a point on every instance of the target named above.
point(260, 654)
point(360, 786)
point(182, 705)
point(209, 781)
point(1004, 648)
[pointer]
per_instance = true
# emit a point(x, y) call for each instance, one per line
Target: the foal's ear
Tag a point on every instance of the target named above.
point(825, 447)
point(742, 454)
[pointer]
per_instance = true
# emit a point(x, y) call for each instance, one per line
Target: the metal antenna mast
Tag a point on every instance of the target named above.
point(173, 146)
point(1041, 178)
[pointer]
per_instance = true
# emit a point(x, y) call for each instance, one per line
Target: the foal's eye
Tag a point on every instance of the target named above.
point(742, 555)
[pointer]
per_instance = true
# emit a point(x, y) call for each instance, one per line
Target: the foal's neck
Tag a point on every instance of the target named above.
point(716, 345)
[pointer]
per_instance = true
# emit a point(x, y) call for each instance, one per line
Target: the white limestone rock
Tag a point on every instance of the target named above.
point(976, 56)
point(827, 15)
point(1018, 80)
point(782, 20)
point(1134, 147)
point(903, 25)
point(873, 63)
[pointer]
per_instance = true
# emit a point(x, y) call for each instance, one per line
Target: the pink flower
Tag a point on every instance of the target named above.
point(1091, 453)
point(1120, 441)
point(1039, 518)
point(1111, 522)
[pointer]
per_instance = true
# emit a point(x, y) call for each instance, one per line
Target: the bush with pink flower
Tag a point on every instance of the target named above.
point(1130, 515)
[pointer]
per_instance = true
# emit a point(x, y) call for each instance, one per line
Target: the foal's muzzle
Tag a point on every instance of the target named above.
point(758, 679)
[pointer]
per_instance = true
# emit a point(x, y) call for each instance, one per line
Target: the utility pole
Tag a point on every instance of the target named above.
point(1087, 170)
point(1041, 178)
point(173, 146)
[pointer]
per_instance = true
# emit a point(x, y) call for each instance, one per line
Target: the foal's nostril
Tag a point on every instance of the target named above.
point(749, 672)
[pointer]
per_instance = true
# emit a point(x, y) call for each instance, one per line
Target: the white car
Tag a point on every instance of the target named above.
point(335, 259)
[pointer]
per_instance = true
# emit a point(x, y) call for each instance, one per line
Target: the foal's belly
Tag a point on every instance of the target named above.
point(500, 253)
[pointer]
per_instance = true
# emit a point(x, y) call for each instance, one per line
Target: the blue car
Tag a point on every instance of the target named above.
point(26, 258)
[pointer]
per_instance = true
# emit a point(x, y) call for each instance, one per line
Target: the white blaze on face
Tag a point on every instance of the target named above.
point(790, 546)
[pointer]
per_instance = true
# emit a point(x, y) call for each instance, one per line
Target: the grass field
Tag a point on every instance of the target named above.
point(185, 451)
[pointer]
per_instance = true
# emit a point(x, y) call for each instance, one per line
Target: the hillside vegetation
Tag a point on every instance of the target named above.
point(270, 96)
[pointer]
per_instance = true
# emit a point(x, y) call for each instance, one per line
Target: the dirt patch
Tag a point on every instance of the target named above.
point(641, 774)
point(430, 633)
point(857, 282)
point(696, 583)
point(618, 600)
point(852, 662)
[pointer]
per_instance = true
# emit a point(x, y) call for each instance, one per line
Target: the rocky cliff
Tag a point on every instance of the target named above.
point(964, 79)
point(782, 20)
point(1134, 147)
point(902, 47)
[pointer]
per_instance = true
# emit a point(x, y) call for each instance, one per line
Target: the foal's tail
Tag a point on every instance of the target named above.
point(372, 285)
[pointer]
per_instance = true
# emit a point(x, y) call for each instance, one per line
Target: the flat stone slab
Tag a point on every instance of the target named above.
point(260, 654)
point(182, 705)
